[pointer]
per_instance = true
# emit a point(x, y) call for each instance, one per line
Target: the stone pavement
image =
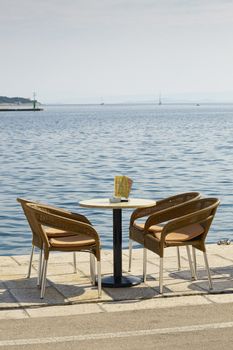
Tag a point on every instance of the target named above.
point(68, 293)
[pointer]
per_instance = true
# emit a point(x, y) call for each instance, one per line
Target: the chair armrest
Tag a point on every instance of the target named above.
point(160, 205)
point(66, 224)
point(80, 217)
point(141, 212)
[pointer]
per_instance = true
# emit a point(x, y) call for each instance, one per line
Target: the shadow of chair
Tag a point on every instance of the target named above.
point(185, 225)
point(78, 236)
point(136, 229)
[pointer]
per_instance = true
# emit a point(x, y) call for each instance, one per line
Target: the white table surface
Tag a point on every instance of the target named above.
point(104, 203)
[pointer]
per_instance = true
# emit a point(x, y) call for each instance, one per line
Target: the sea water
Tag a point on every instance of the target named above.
point(66, 154)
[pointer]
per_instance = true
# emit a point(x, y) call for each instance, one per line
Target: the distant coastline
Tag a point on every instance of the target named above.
point(18, 104)
point(20, 109)
point(14, 100)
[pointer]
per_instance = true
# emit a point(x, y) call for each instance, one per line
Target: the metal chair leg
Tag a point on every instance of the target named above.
point(43, 283)
point(92, 269)
point(75, 262)
point(208, 271)
point(30, 263)
point(161, 276)
point(99, 279)
point(130, 254)
point(39, 276)
point(178, 259)
point(190, 263)
point(144, 264)
point(194, 262)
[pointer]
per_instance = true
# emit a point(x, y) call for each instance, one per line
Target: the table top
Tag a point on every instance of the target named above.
point(104, 203)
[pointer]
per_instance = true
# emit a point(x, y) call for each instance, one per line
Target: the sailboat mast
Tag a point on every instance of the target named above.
point(34, 100)
point(160, 100)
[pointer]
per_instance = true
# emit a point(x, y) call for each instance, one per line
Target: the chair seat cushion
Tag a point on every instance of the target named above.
point(155, 228)
point(72, 241)
point(55, 232)
point(137, 232)
point(185, 234)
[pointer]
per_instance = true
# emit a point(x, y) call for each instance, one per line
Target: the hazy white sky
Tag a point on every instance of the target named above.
point(74, 51)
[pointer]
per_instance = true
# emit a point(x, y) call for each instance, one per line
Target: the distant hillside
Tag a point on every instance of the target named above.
point(14, 100)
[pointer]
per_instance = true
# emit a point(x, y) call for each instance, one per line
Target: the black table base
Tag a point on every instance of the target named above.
point(121, 282)
point(117, 280)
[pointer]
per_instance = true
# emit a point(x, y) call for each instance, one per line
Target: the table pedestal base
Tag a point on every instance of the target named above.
point(121, 282)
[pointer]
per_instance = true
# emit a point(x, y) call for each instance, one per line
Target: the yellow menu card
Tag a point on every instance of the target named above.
point(122, 186)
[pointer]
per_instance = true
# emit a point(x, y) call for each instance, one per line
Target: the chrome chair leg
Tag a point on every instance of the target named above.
point(161, 276)
point(190, 263)
point(208, 271)
point(130, 253)
point(39, 276)
point(194, 262)
point(178, 259)
point(75, 262)
point(99, 279)
point(92, 269)
point(144, 264)
point(43, 283)
point(30, 263)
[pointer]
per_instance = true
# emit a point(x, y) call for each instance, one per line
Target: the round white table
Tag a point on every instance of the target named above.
point(117, 279)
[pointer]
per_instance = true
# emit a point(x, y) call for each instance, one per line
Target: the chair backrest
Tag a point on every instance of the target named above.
point(201, 212)
point(36, 238)
point(177, 200)
point(165, 203)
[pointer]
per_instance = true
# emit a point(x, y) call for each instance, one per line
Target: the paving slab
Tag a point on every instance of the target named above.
point(84, 268)
point(31, 297)
point(13, 314)
point(7, 299)
point(11, 270)
point(141, 291)
point(8, 261)
point(19, 282)
point(67, 310)
point(220, 298)
point(79, 292)
point(24, 259)
point(155, 303)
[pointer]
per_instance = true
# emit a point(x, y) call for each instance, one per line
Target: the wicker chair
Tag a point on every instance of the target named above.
point(80, 236)
point(136, 229)
point(51, 232)
point(185, 225)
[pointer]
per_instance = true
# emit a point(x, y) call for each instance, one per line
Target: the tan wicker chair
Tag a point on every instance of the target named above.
point(80, 236)
point(51, 232)
point(185, 225)
point(136, 229)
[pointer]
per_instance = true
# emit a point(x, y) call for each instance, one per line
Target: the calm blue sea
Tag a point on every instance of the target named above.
point(65, 154)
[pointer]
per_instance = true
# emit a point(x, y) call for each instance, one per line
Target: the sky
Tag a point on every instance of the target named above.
point(88, 51)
